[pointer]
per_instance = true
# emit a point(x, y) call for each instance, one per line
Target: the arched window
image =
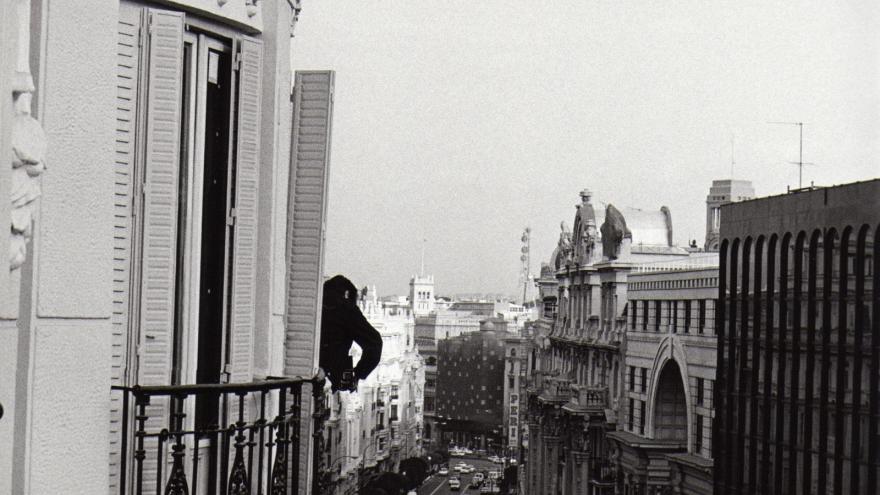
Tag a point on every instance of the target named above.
point(670, 406)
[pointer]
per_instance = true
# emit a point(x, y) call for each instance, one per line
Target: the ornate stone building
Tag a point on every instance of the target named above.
point(578, 373)
point(664, 437)
point(164, 204)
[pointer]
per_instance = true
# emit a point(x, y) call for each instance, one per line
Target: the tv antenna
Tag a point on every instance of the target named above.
point(800, 163)
point(732, 154)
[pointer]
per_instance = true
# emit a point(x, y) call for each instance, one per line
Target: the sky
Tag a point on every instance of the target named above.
point(458, 123)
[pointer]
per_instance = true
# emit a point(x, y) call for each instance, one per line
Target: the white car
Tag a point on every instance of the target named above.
point(454, 483)
point(443, 471)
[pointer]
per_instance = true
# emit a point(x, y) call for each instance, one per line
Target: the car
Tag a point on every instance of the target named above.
point(454, 483)
point(443, 471)
point(479, 477)
point(494, 475)
point(512, 461)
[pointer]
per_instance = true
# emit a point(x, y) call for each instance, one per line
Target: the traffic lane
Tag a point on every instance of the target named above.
point(439, 485)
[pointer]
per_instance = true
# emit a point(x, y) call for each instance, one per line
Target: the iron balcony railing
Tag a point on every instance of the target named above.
point(237, 438)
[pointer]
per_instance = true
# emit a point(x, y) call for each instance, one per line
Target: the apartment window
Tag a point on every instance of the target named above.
point(632, 378)
point(642, 419)
point(700, 396)
point(644, 379)
point(645, 315)
point(701, 322)
point(510, 382)
point(635, 306)
point(698, 435)
point(673, 315)
point(632, 413)
point(687, 316)
point(657, 315)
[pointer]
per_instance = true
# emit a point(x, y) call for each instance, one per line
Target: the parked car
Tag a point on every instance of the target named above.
point(443, 471)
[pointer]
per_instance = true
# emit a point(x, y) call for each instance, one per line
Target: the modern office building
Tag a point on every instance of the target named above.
point(797, 396)
point(470, 387)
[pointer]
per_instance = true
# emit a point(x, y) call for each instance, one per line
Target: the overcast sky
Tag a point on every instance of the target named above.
point(463, 121)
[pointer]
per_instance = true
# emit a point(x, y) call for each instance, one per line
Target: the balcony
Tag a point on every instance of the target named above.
point(555, 390)
point(588, 399)
point(208, 438)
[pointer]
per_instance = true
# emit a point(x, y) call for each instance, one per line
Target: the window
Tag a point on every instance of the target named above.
point(632, 413)
point(657, 316)
point(645, 315)
point(632, 378)
point(644, 380)
point(643, 418)
point(700, 391)
point(687, 316)
point(698, 435)
point(673, 316)
point(701, 322)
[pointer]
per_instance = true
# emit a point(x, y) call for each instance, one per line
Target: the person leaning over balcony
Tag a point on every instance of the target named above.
point(341, 324)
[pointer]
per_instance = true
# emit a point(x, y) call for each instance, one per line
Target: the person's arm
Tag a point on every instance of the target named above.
point(370, 343)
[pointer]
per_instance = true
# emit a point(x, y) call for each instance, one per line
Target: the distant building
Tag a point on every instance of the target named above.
point(429, 330)
point(421, 294)
point(470, 387)
point(797, 393)
point(721, 193)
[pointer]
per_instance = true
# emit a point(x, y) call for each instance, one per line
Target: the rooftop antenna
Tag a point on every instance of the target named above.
point(422, 269)
point(800, 163)
point(732, 155)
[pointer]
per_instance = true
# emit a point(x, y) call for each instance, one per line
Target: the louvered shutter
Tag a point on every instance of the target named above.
point(307, 205)
point(160, 203)
point(127, 65)
point(247, 172)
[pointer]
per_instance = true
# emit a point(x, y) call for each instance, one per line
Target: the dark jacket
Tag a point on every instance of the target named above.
point(341, 324)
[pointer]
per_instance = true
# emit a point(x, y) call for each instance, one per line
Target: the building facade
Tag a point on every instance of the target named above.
point(515, 363)
point(596, 422)
point(156, 148)
point(797, 391)
point(470, 388)
point(664, 437)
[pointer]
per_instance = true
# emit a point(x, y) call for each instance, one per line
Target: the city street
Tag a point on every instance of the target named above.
point(439, 485)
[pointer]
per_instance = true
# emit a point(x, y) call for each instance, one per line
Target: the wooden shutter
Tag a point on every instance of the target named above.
point(306, 216)
point(160, 195)
point(160, 203)
point(249, 57)
point(307, 204)
point(127, 76)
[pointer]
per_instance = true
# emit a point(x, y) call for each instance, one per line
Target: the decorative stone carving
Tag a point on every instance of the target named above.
point(614, 231)
point(28, 163)
point(587, 234)
point(252, 7)
point(296, 6)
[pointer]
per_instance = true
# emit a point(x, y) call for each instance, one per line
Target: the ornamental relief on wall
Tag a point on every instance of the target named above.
point(28, 163)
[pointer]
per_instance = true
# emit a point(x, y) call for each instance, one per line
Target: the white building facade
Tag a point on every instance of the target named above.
point(166, 198)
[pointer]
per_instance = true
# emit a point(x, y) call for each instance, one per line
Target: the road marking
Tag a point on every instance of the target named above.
point(438, 487)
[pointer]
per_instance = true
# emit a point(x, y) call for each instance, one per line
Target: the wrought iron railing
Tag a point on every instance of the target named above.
point(241, 438)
